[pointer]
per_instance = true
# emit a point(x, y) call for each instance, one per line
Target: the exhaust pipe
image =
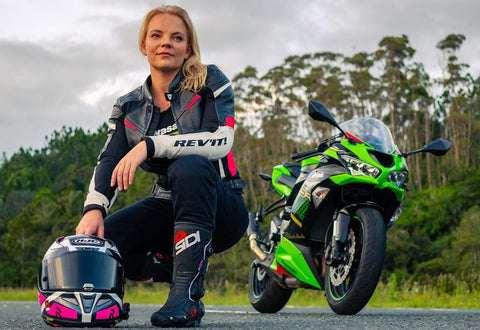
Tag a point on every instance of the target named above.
point(254, 247)
point(252, 231)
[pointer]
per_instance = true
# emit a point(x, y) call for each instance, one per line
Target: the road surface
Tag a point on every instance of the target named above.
point(26, 315)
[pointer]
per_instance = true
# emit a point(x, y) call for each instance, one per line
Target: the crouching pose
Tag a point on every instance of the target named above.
point(180, 125)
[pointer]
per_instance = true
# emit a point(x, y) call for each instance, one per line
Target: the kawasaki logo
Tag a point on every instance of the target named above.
point(184, 241)
point(200, 142)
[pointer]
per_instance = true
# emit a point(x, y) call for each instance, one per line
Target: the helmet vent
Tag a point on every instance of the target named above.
point(88, 287)
point(87, 241)
point(72, 301)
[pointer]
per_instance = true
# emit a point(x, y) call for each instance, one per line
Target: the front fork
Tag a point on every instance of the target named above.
point(334, 252)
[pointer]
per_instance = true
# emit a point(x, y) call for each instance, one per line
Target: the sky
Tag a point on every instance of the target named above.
point(64, 63)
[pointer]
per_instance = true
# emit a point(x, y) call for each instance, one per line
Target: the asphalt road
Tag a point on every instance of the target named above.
point(25, 315)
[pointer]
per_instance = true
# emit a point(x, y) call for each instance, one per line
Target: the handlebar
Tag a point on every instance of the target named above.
point(304, 154)
point(324, 145)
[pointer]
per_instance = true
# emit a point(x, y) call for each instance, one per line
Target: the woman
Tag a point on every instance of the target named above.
point(179, 125)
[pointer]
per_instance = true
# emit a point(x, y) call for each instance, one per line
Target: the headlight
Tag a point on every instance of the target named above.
point(399, 178)
point(319, 195)
point(357, 167)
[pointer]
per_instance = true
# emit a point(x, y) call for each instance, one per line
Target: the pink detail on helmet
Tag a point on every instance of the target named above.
point(108, 313)
point(232, 167)
point(41, 298)
point(195, 99)
point(58, 310)
point(229, 121)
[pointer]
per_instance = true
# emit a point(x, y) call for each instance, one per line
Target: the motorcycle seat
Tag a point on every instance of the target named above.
point(294, 168)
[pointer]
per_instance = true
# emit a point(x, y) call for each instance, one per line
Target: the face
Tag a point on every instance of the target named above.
point(166, 44)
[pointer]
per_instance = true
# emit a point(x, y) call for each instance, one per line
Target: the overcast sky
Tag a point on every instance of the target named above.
point(64, 63)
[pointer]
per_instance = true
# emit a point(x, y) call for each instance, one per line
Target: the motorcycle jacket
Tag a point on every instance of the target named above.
point(205, 125)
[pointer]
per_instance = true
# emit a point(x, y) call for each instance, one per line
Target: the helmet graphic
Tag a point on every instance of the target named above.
point(80, 283)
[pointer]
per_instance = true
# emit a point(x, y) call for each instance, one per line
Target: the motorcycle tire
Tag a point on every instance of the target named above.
point(266, 295)
point(350, 285)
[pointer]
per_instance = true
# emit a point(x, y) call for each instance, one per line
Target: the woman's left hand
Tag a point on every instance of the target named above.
point(124, 172)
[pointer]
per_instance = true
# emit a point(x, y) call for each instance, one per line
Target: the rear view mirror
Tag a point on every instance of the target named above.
point(438, 147)
point(319, 112)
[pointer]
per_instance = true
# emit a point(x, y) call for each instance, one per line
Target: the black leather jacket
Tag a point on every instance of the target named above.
point(204, 121)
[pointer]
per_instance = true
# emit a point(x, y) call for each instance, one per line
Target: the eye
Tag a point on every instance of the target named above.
point(178, 38)
point(155, 35)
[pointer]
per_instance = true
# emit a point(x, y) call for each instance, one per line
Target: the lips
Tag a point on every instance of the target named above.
point(164, 54)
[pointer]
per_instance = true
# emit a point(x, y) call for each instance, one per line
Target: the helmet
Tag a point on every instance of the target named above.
point(80, 283)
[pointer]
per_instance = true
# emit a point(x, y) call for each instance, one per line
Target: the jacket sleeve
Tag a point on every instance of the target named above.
point(100, 194)
point(215, 140)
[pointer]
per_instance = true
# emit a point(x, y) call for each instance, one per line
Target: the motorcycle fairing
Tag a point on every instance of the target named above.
point(318, 177)
point(297, 259)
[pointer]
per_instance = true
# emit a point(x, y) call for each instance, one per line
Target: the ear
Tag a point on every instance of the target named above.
point(144, 49)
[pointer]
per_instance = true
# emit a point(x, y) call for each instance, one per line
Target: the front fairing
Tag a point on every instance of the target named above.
point(369, 155)
point(316, 177)
point(331, 171)
point(328, 183)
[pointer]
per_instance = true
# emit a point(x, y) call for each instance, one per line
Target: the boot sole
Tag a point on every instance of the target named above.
point(195, 323)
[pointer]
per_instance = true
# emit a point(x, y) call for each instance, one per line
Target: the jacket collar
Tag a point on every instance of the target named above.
point(175, 84)
point(172, 88)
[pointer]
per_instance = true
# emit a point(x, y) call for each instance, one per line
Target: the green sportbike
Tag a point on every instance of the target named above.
point(329, 228)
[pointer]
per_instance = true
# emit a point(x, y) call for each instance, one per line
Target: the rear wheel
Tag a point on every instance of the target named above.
point(266, 295)
point(350, 284)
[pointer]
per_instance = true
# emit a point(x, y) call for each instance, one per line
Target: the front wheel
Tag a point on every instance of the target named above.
point(266, 295)
point(350, 284)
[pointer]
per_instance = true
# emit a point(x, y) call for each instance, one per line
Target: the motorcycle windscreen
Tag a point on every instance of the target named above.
point(82, 271)
point(372, 131)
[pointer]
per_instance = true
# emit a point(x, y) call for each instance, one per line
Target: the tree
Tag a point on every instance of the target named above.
point(29, 235)
point(466, 245)
point(393, 53)
point(362, 85)
point(454, 102)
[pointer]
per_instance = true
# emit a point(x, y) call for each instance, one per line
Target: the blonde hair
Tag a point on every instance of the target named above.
point(194, 72)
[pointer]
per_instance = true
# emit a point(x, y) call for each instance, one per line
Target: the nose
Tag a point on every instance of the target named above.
point(165, 42)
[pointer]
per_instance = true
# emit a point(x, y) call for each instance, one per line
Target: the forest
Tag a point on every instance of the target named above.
point(438, 235)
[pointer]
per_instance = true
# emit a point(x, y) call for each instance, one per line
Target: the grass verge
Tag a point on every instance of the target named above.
point(415, 296)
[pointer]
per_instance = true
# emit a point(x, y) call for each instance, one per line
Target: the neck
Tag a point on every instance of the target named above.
point(161, 81)
point(160, 85)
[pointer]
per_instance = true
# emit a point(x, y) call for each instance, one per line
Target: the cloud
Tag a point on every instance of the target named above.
point(65, 63)
point(69, 85)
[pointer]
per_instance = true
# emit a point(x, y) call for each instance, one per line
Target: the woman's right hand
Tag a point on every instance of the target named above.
point(91, 224)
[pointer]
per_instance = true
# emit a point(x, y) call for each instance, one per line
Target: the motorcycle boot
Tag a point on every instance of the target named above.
point(183, 308)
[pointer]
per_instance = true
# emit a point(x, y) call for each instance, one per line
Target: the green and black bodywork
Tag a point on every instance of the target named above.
point(336, 204)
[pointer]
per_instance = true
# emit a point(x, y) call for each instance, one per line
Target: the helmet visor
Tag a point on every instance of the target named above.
point(82, 270)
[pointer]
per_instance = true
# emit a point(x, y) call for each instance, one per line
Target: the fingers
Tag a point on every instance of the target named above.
point(101, 231)
point(78, 230)
point(91, 224)
point(90, 231)
point(124, 172)
point(123, 175)
point(85, 230)
point(98, 231)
